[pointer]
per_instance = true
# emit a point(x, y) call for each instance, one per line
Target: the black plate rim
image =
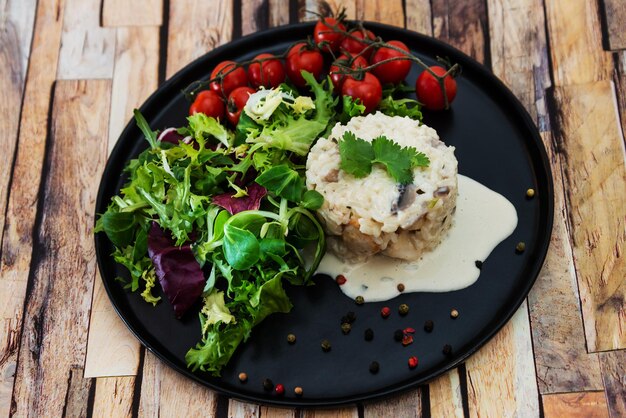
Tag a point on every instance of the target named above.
point(542, 249)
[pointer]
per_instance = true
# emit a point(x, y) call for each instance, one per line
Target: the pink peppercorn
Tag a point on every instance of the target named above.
point(385, 312)
point(280, 389)
point(412, 362)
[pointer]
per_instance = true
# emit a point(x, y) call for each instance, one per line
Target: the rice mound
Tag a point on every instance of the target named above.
point(374, 214)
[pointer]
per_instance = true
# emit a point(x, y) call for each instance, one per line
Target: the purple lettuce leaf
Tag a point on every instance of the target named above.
point(178, 271)
point(170, 135)
point(235, 205)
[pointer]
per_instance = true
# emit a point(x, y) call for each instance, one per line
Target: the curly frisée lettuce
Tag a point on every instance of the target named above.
point(221, 218)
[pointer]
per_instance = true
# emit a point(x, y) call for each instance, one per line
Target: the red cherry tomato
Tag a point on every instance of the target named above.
point(393, 72)
point(429, 91)
point(300, 58)
point(354, 46)
point(327, 30)
point(208, 102)
point(336, 74)
point(232, 80)
point(368, 90)
point(237, 99)
point(269, 73)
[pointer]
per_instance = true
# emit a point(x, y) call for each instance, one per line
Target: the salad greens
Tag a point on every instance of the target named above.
point(222, 217)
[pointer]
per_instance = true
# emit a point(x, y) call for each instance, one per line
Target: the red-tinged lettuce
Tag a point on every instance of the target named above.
point(238, 204)
point(178, 271)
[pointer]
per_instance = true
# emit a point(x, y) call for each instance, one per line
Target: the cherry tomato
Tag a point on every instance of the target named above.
point(300, 58)
point(353, 46)
point(232, 80)
point(393, 72)
point(336, 75)
point(429, 91)
point(326, 30)
point(237, 99)
point(208, 102)
point(269, 73)
point(368, 90)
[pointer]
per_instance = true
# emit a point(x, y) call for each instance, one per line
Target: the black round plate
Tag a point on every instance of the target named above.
point(496, 143)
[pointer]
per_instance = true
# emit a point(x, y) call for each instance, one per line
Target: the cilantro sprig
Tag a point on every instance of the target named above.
point(358, 156)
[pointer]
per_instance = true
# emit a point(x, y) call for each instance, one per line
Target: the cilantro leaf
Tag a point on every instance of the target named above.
point(420, 160)
point(356, 155)
point(397, 160)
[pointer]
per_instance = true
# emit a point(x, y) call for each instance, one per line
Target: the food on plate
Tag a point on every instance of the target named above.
point(376, 213)
point(216, 215)
point(429, 89)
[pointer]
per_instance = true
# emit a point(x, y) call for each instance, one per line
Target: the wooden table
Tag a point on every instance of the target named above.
point(72, 70)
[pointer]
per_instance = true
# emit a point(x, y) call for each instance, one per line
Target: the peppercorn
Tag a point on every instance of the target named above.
point(479, 264)
point(412, 362)
point(520, 247)
point(403, 309)
point(243, 377)
point(385, 312)
point(346, 327)
point(454, 314)
point(268, 385)
point(326, 345)
point(530, 193)
point(341, 279)
point(291, 339)
point(359, 300)
point(398, 335)
point(447, 349)
point(374, 367)
point(369, 334)
point(351, 317)
point(280, 389)
point(298, 391)
point(429, 325)
point(400, 287)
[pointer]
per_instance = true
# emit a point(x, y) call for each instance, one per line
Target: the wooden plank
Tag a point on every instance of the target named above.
point(114, 397)
point(575, 405)
point(519, 55)
point(462, 24)
point(279, 12)
point(269, 412)
point(305, 7)
point(111, 349)
point(576, 42)
point(76, 398)
point(165, 392)
point(561, 358)
point(615, 17)
point(43, 378)
point(132, 13)
point(445, 395)
point(16, 28)
point(22, 205)
point(330, 413)
point(196, 27)
point(238, 409)
point(87, 50)
point(419, 16)
point(620, 85)
point(614, 376)
point(406, 405)
point(491, 391)
point(390, 12)
point(595, 174)
point(254, 16)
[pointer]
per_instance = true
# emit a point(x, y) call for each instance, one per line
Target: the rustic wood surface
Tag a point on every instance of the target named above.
point(72, 66)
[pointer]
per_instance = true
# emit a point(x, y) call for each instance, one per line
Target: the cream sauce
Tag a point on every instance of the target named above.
point(483, 219)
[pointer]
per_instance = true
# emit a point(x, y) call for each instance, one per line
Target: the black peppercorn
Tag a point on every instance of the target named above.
point(403, 309)
point(374, 367)
point(268, 385)
point(369, 334)
point(400, 287)
point(447, 349)
point(479, 264)
point(398, 335)
point(326, 345)
point(351, 317)
point(346, 327)
point(429, 325)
